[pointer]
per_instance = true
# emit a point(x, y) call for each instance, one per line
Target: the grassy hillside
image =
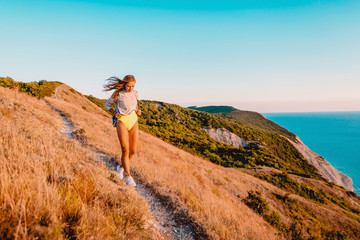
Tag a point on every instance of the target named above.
point(99, 102)
point(167, 170)
point(52, 188)
point(298, 209)
point(228, 203)
point(182, 127)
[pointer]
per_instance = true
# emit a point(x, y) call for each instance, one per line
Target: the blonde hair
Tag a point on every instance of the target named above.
point(117, 84)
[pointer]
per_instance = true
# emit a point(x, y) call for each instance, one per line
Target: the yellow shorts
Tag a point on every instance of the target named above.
point(129, 120)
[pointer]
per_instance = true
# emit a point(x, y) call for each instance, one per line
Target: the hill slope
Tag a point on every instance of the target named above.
point(173, 124)
point(155, 164)
point(222, 201)
point(218, 198)
point(53, 188)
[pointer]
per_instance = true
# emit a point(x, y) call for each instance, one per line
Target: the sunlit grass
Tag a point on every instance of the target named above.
point(69, 193)
point(52, 188)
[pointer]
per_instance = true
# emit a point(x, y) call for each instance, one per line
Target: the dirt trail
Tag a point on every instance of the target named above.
point(57, 90)
point(168, 220)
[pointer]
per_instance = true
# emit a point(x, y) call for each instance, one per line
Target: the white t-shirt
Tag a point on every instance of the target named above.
point(126, 102)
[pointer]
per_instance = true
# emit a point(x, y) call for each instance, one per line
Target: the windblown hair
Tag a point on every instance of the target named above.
point(117, 84)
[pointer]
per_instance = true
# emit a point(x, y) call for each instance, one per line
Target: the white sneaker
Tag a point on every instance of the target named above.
point(120, 171)
point(130, 181)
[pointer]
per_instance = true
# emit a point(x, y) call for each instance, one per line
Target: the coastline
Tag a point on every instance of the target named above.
point(325, 169)
point(331, 135)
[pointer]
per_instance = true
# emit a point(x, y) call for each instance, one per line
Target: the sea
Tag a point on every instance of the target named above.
point(333, 135)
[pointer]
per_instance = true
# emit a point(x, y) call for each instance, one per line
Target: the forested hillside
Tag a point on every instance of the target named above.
point(247, 118)
point(184, 128)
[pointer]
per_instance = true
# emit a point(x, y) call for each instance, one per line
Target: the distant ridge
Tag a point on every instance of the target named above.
point(247, 118)
point(214, 109)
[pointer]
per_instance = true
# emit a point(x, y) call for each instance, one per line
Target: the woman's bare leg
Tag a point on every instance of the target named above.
point(123, 135)
point(133, 140)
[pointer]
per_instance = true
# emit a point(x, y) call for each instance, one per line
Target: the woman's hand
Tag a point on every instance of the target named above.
point(117, 115)
point(138, 112)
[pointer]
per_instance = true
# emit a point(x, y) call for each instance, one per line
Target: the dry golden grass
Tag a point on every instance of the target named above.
point(313, 215)
point(212, 195)
point(51, 187)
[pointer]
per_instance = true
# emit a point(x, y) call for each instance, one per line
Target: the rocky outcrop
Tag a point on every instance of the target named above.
point(324, 167)
point(225, 136)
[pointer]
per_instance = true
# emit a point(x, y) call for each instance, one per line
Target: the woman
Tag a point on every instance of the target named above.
point(125, 120)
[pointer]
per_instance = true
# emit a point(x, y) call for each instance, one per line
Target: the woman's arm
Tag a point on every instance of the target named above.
point(108, 106)
point(137, 110)
point(112, 111)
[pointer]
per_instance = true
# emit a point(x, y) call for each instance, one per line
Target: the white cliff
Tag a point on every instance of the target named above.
point(324, 167)
point(225, 136)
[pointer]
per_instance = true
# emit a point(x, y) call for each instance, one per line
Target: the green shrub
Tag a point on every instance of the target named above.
point(295, 230)
point(274, 219)
point(255, 201)
point(285, 182)
point(334, 235)
point(39, 89)
point(8, 82)
point(99, 102)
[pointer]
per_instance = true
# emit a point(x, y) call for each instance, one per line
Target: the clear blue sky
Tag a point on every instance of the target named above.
point(260, 55)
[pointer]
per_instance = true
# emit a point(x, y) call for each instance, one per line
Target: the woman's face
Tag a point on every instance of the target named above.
point(129, 87)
